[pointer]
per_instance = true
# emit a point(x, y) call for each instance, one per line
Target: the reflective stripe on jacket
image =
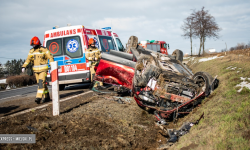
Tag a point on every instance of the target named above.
point(40, 57)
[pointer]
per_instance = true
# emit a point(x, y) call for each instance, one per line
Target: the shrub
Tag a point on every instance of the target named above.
point(21, 80)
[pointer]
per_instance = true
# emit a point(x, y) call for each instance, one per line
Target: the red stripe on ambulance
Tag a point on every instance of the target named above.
point(74, 68)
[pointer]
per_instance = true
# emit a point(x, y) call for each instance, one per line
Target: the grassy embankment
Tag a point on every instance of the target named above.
point(227, 112)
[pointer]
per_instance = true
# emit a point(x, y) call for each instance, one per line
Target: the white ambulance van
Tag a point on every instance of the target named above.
point(68, 46)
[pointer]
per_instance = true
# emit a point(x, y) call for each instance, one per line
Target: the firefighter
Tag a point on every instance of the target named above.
point(39, 56)
point(93, 55)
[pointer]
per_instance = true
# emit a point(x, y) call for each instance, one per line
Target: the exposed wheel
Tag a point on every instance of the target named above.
point(203, 80)
point(178, 55)
point(132, 43)
point(146, 68)
point(61, 87)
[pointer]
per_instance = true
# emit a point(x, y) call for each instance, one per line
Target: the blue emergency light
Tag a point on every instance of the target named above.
point(107, 28)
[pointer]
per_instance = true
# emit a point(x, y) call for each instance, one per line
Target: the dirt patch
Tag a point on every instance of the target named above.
point(189, 147)
point(86, 122)
point(246, 135)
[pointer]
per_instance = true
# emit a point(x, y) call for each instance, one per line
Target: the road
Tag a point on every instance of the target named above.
point(24, 91)
point(31, 90)
point(16, 100)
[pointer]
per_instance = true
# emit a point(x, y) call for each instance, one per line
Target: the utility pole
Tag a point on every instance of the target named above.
point(195, 49)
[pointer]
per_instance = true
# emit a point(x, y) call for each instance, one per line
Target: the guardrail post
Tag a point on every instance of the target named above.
point(55, 88)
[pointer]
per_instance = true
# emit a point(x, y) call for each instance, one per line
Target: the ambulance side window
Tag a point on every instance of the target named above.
point(55, 47)
point(72, 46)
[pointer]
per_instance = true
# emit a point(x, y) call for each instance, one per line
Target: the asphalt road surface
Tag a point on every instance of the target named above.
point(31, 91)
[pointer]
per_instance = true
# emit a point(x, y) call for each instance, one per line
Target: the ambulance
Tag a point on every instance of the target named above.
point(157, 46)
point(68, 45)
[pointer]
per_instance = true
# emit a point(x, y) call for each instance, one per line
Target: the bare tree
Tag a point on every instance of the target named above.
point(188, 29)
point(204, 26)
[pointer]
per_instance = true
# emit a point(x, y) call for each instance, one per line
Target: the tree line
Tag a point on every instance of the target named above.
point(11, 68)
point(200, 24)
point(238, 46)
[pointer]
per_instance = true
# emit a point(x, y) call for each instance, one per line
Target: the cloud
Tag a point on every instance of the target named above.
point(159, 20)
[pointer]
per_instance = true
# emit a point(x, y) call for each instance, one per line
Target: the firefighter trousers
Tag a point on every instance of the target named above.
point(42, 90)
point(92, 74)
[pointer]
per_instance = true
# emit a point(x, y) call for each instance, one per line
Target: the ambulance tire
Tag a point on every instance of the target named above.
point(178, 55)
point(61, 87)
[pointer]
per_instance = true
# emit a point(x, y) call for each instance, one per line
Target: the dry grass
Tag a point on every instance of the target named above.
point(227, 112)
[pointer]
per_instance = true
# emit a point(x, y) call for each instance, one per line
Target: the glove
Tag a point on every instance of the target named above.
point(23, 70)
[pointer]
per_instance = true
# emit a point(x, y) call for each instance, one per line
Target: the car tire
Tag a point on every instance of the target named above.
point(178, 55)
point(143, 73)
point(203, 80)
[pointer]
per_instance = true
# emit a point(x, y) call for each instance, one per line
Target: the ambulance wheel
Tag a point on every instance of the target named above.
point(61, 87)
point(178, 55)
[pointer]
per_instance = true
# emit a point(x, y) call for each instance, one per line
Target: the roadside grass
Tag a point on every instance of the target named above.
point(227, 112)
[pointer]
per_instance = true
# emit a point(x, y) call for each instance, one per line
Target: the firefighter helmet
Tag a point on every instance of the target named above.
point(35, 41)
point(91, 41)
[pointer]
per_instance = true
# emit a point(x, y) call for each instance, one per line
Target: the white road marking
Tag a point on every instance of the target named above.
point(39, 107)
point(21, 95)
point(18, 88)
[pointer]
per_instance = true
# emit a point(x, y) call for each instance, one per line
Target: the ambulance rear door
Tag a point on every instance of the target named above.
point(67, 46)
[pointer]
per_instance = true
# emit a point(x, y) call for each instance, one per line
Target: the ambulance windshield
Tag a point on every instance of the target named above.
point(119, 44)
point(107, 43)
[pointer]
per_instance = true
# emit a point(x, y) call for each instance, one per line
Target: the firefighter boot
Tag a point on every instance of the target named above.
point(47, 97)
point(38, 100)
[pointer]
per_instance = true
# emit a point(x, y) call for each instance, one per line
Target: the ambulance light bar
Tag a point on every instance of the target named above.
point(107, 28)
point(55, 27)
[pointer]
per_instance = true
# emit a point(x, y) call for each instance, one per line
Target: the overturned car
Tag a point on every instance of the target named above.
point(157, 81)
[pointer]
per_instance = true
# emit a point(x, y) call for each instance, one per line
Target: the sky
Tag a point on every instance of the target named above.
point(147, 19)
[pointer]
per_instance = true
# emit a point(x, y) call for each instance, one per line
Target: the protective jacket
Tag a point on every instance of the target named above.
point(93, 55)
point(40, 57)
